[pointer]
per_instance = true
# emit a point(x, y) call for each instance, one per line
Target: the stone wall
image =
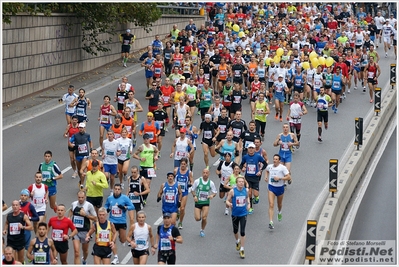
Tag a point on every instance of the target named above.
point(40, 52)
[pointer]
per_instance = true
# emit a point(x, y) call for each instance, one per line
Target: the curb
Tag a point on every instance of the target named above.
point(47, 106)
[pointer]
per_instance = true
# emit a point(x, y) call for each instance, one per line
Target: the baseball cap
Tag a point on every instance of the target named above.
point(25, 192)
point(280, 76)
point(94, 163)
point(82, 125)
point(146, 136)
point(247, 48)
point(150, 114)
point(182, 130)
point(167, 214)
point(251, 145)
point(128, 30)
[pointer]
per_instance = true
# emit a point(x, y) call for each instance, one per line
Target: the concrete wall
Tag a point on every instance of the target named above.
point(40, 52)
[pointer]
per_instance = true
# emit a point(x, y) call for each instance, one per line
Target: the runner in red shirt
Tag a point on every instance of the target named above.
point(167, 89)
point(59, 232)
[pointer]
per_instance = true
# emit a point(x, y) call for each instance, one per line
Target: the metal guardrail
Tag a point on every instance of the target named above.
point(179, 10)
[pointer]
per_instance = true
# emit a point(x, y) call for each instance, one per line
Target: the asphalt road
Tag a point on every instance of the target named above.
point(376, 218)
point(24, 145)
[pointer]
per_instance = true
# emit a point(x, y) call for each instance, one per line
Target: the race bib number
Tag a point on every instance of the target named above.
point(133, 198)
point(141, 243)
point(191, 97)
point(284, 146)
point(80, 111)
point(78, 221)
point(57, 235)
point(203, 196)
point(40, 257)
point(82, 148)
point(170, 197)
point(160, 123)
point(237, 99)
point(121, 99)
point(116, 212)
point(240, 201)
point(103, 236)
point(181, 154)
point(104, 119)
point(110, 153)
point(38, 200)
point(165, 99)
point(222, 128)
point(208, 134)
point(251, 169)
point(182, 186)
point(166, 244)
point(237, 132)
point(151, 172)
point(207, 96)
point(370, 75)
point(14, 229)
point(151, 134)
point(336, 84)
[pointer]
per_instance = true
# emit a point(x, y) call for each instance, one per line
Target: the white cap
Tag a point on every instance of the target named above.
point(128, 30)
point(82, 125)
point(280, 76)
point(251, 145)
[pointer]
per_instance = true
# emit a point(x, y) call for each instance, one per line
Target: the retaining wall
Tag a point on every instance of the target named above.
point(40, 52)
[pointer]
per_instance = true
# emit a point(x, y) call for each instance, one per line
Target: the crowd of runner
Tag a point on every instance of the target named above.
point(284, 59)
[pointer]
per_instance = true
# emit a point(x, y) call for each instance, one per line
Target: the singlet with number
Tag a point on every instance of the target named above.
point(140, 236)
point(39, 198)
point(41, 252)
point(181, 148)
point(103, 236)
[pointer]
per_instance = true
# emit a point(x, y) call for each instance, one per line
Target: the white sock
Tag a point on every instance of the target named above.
point(242, 248)
point(237, 241)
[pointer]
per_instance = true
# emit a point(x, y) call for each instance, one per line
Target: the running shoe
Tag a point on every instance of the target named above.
point(226, 211)
point(238, 245)
point(207, 167)
point(349, 91)
point(84, 262)
point(144, 202)
point(344, 95)
point(74, 175)
point(125, 177)
point(122, 186)
point(134, 142)
point(255, 200)
point(271, 226)
point(180, 225)
point(281, 119)
point(242, 254)
point(279, 217)
point(319, 139)
point(364, 89)
point(290, 181)
point(386, 55)
point(166, 129)
point(276, 117)
point(202, 233)
point(355, 88)
point(250, 211)
point(216, 162)
point(111, 192)
point(199, 113)
point(124, 65)
point(81, 187)
point(336, 110)
point(299, 144)
point(115, 261)
point(333, 107)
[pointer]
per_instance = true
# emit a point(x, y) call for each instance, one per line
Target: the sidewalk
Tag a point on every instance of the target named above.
point(48, 98)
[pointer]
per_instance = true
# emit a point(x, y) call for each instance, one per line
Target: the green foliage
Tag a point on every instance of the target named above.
point(94, 18)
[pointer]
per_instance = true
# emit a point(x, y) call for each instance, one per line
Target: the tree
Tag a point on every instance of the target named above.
point(94, 18)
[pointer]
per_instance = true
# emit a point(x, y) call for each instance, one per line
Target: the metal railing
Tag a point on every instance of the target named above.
point(179, 10)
